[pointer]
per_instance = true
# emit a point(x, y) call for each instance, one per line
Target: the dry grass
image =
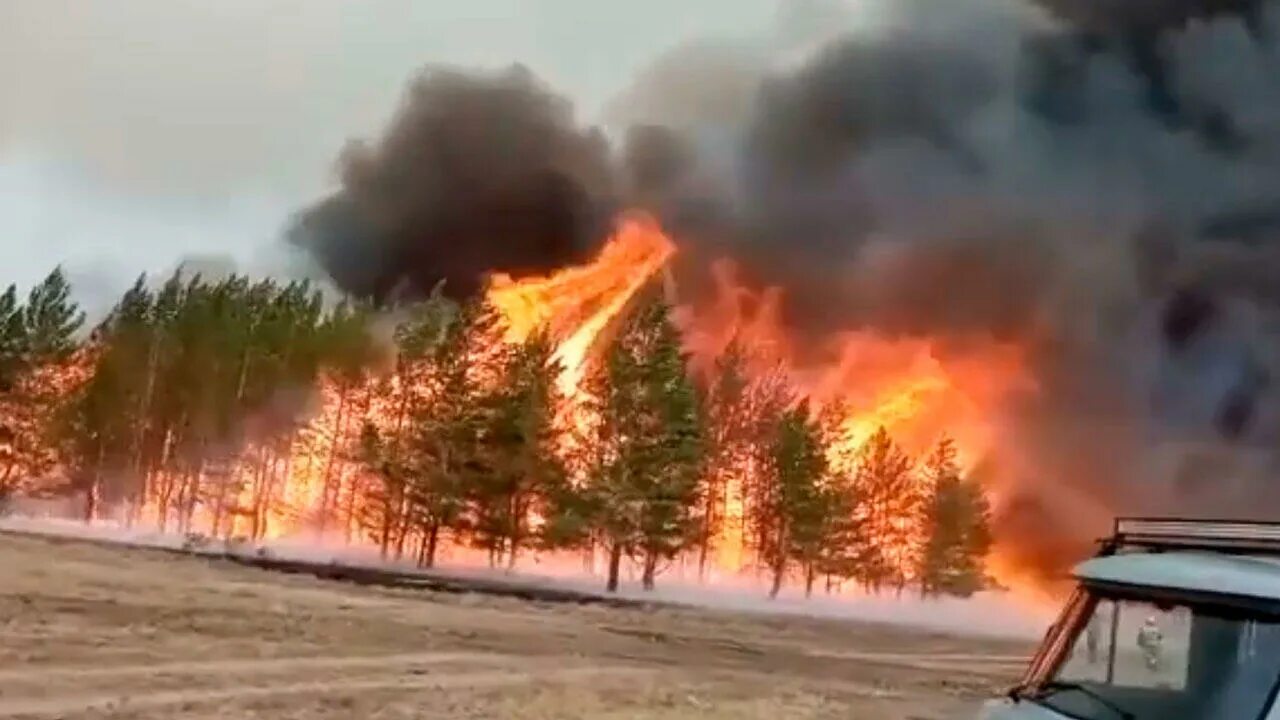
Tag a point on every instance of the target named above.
point(91, 632)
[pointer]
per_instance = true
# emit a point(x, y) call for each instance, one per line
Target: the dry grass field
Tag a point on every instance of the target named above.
point(89, 631)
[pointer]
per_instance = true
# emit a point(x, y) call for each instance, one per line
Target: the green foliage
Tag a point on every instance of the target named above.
point(891, 501)
point(13, 338)
point(645, 455)
point(184, 374)
point(798, 503)
point(957, 522)
point(200, 402)
point(441, 422)
point(37, 341)
point(51, 320)
point(730, 429)
point(515, 463)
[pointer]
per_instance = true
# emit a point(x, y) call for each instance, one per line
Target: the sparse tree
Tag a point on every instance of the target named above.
point(892, 500)
point(730, 432)
point(37, 366)
point(957, 518)
point(794, 520)
point(516, 448)
point(646, 450)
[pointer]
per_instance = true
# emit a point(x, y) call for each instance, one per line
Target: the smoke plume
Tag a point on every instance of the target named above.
point(1100, 188)
point(477, 173)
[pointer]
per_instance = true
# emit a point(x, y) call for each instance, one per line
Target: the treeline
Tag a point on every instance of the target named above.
point(255, 408)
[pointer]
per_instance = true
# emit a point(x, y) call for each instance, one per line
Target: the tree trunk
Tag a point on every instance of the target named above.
point(512, 554)
point(704, 545)
point(433, 543)
point(384, 538)
point(615, 564)
point(327, 499)
point(365, 399)
point(8, 473)
point(515, 529)
point(350, 512)
point(163, 497)
point(779, 567)
point(262, 497)
point(219, 507)
point(95, 484)
point(196, 480)
point(185, 506)
point(402, 531)
point(650, 570)
point(809, 576)
point(139, 437)
point(779, 560)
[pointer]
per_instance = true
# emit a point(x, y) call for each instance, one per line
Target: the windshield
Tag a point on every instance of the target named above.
point(1118, 658)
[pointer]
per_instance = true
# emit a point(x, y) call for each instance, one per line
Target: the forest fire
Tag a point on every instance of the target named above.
point(862, 380)
point(905, 384)
point(578, 304)
point(449, 450)
point(866, 381)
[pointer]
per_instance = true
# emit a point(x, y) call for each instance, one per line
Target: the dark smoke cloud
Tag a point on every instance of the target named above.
point(1100, 190)
point(984, 169)
point(477, 173)
point(1097, 16)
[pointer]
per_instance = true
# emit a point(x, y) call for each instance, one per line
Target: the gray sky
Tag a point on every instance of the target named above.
point(137, 132)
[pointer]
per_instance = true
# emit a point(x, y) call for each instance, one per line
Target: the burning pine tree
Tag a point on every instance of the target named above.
point(580, 412)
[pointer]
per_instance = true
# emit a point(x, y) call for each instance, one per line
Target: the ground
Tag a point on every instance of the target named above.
point(88, 631)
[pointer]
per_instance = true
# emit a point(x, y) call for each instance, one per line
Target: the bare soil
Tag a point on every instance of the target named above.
point(88, 631)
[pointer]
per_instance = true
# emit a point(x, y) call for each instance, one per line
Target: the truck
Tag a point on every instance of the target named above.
point(1172, 619)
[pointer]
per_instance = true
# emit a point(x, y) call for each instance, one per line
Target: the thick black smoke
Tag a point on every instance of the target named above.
point(477, 173)
point(1094, 185)
point(1098, 187)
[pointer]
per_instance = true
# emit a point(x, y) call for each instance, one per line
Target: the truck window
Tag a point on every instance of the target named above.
point(1132, 644)
point(1169, 662)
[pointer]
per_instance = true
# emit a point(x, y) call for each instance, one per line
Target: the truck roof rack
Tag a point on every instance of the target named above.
point(1241, 537)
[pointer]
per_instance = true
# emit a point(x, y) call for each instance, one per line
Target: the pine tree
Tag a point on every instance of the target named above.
point(441, 436)
point(381, 506)
point(729, 447)
point(37, 343)
point(51, 319)
point(769, 396)
point(646, 450)
point(99, 430)
point(798, 502)
point(13, 339)
point(349, 354)
point(676, 449)
point(847, 552)
point(422, 330)
point(516, 448)
point(957, 520)
point(892, 502)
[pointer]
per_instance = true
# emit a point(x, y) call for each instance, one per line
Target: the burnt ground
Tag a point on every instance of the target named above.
point(94, 631)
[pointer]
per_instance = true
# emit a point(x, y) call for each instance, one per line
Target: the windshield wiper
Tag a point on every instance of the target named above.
point(1054, 687)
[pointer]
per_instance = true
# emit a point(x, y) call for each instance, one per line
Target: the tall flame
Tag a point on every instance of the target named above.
point(579, 303)
point(916, 388)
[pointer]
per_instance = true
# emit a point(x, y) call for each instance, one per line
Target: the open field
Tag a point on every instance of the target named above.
point(88, 631)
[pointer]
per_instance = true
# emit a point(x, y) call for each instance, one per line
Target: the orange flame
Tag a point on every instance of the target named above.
point(916, 388)
point(578, 304)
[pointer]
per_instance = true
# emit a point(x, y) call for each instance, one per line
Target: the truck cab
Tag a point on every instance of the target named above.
point(1172, 620)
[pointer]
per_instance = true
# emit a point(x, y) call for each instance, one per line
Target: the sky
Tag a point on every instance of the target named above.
point(137, 133)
